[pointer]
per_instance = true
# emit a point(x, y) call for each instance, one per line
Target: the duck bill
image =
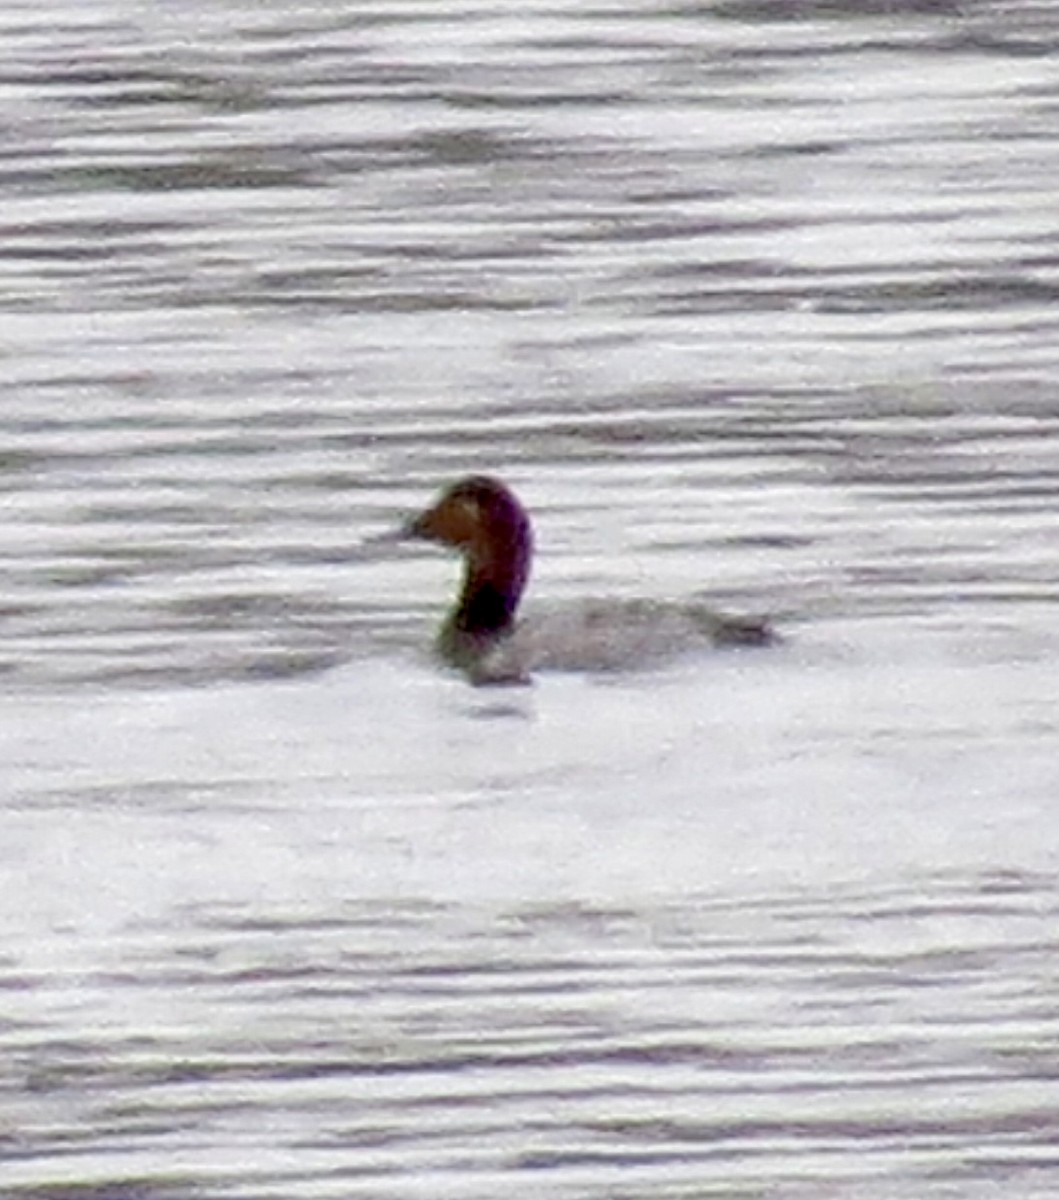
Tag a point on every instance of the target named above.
point(420, 527)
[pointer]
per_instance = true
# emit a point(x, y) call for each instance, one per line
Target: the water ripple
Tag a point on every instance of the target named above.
point(702, 1043)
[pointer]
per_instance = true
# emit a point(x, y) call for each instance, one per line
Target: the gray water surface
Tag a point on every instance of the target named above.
point(751, 301)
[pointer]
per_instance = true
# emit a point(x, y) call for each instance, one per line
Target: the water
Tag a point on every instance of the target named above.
point(745, 299)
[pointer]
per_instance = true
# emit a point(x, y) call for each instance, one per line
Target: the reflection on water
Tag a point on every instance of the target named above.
point(703, 281)
point(880, 1044)
point(748, 300)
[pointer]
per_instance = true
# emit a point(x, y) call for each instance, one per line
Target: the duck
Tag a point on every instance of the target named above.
point(481, 518)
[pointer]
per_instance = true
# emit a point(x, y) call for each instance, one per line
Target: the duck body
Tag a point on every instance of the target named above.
point(482, 519)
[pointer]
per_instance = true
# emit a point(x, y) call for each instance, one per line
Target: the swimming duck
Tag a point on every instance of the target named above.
point(481, 518)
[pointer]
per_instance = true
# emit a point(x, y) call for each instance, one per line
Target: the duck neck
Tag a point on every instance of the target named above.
point(497, 565)
point(488, 601)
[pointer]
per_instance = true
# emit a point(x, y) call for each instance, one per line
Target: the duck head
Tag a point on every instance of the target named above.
point(481, 518)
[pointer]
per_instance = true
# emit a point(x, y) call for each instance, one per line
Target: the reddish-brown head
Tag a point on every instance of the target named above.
point(480, 517)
